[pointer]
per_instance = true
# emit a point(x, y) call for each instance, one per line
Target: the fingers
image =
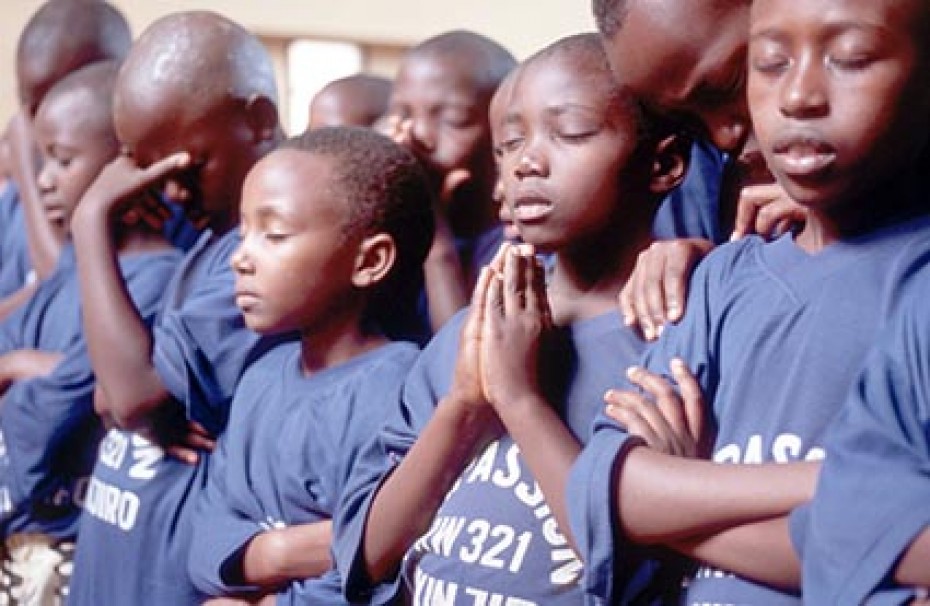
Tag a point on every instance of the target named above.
point(626, 408)
point(453, 180)
point(667, 413)
point(681, 257)
point(766, 210)
point(183, 454)
point(694, 413)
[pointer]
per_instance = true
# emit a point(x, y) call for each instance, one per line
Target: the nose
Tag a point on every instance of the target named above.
point(422, 133)
point(45, 180)
point(531, 163)
point(803, 93)
point(239, 260)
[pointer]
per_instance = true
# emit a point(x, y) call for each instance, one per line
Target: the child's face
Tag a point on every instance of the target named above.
point(76, 142)
point(837, 91)
point(564, 147)
point(688, 59)
point(222, 145)
point(294, 265)
point(436, 99)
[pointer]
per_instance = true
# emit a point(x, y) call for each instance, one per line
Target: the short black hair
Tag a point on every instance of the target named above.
point(386, 190)
point(609, 15)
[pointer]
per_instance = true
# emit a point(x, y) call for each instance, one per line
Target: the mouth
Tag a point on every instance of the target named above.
point(56, 214)
point(804, 156)
point(246, 300)
point(531, 208)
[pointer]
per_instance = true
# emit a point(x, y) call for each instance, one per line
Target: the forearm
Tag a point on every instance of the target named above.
point(407, 501)
point(444, 277)
point(760, 551)
point(10, 303)
point(663, 499)
point(279, 556)
point(118, 341)
point(549, 449)
point(44, 243)
point(25, 364)
point(914, 567)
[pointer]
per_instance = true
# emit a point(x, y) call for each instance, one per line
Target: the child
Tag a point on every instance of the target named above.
point(47, 424)
point(775, 332)
point(59, 38)
point(439, 109)
point(358, 100)
point(313, 261)
point(491, 534)
point(192, 128)
point(864, 538)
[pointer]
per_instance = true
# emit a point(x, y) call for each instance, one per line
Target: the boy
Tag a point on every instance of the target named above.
point(47, 424)
point(59, 38)
point(193, 128)
point(314, 261)
point(358, 100)
point(865, 535)
point(491, 532)
point(775, 332)
point(439, 109)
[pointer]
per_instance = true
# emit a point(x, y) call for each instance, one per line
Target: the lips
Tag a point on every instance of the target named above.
point(246, 299)
point(531, 208)
point(803, 156)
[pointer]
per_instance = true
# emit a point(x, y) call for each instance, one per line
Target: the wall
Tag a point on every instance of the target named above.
point(521, 25)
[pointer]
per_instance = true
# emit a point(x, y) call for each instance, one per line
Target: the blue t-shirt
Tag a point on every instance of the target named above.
point(873, 496)
point(48, 430)
point(775, 336)
point(693, 209)
point(15, 265)
point(494, 539)
point(139, 501)
point(289, 448)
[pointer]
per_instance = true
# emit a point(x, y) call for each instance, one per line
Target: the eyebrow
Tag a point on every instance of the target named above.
point(832, 29)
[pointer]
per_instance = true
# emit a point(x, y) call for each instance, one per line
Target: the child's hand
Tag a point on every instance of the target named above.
point(669, 421)
point(516, 320)
point(191, 443)
point(768, 211)
point(124, 189)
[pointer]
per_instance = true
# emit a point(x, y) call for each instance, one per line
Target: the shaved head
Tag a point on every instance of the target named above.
point(491, 61)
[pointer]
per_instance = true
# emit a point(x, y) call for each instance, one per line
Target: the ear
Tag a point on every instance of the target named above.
point(670, 163)
point(376, 256)
point(263, 117)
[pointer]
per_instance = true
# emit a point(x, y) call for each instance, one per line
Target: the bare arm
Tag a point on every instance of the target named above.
point(24, 364)
point(279, 556)
point(12, 302)
point(517, 317)
point(443, 276)
point(463, 423)
point(44, 242)
point(119, 342)
point(913, 569)
point(760, 551)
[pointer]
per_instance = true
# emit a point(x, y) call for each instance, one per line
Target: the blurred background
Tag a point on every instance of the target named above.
point(316, 41)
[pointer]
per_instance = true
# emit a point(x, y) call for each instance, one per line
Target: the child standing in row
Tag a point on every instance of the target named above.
point(48, 428)
point(776, 332)
point(194, 110)
point(315, 261)
point(469, 493)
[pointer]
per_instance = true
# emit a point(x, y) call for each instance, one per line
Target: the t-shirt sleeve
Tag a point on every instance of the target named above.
point(615, 568)
point(202, 348)
point(872, 497)
point(427, 380)
point(220, 532)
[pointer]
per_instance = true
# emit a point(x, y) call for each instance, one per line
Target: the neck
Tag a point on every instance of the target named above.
point(893, 200)
point(337, 341)
point(586, 282)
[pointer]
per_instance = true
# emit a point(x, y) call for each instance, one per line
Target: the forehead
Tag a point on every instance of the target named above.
point(894, 16)
point(278, 185)
point(75, 111)
point(665, 48)
point(562, 79)
point(433, 75)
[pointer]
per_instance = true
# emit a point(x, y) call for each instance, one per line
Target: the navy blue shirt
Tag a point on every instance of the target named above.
point(873, 496)
point(290, 446)
point(775, 337)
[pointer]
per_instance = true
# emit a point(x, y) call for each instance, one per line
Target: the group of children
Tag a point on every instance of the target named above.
point(383, 361)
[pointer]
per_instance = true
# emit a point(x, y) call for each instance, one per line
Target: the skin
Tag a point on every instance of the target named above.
point(353, 101)
point(200, 160)
point(60, 38)
point(801, 80)
point(465, 421)
point(297, 269)
point(439, 110)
